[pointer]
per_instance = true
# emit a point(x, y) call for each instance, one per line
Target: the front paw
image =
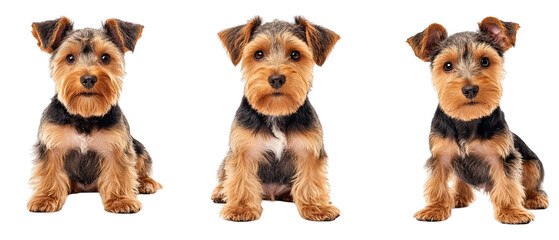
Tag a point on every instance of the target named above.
point(514, 216)
point(44, 204)
point(319, 213)
point(240, 213)
point(123, 205)
point(433, 213)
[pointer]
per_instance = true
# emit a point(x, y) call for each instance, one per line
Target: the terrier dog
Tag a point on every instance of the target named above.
point(276, 147)
point(470, 141)
point(84, 142)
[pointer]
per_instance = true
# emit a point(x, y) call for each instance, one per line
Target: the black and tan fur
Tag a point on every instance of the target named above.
point(276, 147)
point(470, 141)
point(84, 139)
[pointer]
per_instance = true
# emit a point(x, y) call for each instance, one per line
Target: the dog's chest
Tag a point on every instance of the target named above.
point(66, 138)
point(474, 163)
point(277, 143)
point(82, 159)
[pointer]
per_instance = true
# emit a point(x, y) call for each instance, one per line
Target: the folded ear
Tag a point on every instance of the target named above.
point(320, 39)
point(123, 34)
point(502, 34)
point(425, 43)
point(49, 34)
point(235, 39)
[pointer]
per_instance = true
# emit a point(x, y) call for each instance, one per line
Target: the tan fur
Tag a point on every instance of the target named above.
point(50, 183)
point(507, 195)
point(310, 189)
point(439, 195)
point(508, 39)
point(501, 145)
point(423, 48)
point(298, 74)
point(530, 176)
point(449, 84)
point(67, 78)
point(463, 193)
point(242, 188)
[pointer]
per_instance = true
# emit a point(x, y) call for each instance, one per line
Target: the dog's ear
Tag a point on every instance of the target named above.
point(425, 43)
point(123, 34)
point(235, 39)
point(502, 33)
point(320, 39)
point(49, 34)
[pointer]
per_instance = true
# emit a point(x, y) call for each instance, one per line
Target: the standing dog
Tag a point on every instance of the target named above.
point(470, 141)
point(276, 148)
point(84, 139)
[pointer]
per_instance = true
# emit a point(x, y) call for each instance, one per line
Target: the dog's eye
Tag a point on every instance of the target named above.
point(106, 58)
point(447, 67)
point(485, 62)
point(295, 55)
point(258, 55)
point(70, 59)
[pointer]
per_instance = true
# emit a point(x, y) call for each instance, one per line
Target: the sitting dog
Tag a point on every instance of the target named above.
point(84, 139)
point(470, 141)
point(276, 147)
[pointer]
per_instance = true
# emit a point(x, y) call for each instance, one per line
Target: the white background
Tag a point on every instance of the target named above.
point(374, 98)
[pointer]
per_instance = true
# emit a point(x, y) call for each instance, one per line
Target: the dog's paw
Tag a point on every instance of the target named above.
point(536, 202)
point(433, 213)
point(319, 213)
point(240, 213)
point(148, 186)
point(217, 195)
point(44, 204)
point(514, 216)
point(461, 202)
point(123, 205)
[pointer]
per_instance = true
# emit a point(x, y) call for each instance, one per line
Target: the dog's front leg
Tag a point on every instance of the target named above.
point(310, 188)
point(118, 184)
point(242, 188)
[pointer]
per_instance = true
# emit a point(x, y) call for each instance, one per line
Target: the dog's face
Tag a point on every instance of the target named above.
point(467, 67)
point(87, 65)
point(277, 61)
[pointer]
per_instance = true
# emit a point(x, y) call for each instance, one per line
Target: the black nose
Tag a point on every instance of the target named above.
point(88, 81)
point(276, 81)
point(470, 91)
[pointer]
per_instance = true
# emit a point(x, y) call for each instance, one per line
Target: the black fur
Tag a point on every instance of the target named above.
point(82, 167)
point(56, 113)
point(303, 119)
point(277, 171)
point(47, 31)
point(130, 32)
point(472, 170)
point(483, 128)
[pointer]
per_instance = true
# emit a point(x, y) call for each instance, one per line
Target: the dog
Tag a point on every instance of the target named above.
point(276, 145)
point(470, 141)
point(84, 142)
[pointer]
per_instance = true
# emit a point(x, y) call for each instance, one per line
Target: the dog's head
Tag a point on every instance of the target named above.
point(277, 61)
point(87, 65)
point(467, 67)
